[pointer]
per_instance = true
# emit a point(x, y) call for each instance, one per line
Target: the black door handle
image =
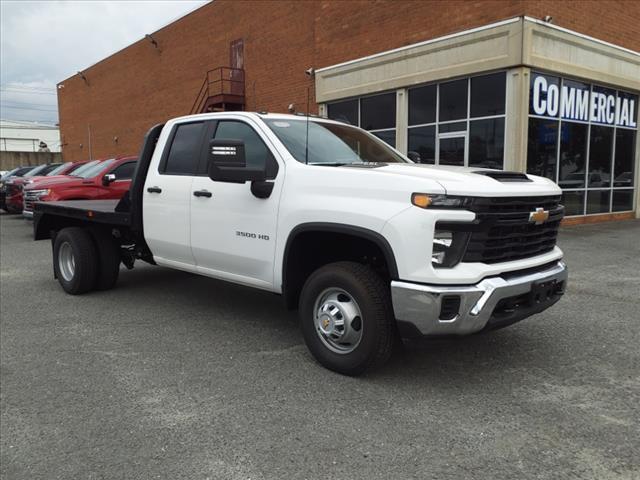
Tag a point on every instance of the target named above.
point(154, 190)
point(202, 193)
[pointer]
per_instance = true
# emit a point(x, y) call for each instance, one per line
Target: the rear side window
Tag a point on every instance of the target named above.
point(124, 171)
point(184, 153)
point(256, 152)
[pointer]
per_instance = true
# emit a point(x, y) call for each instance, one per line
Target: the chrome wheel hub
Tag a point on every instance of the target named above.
point(66, 261)
point(338, 320)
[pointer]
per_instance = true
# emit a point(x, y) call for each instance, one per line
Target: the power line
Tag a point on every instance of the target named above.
point(25, 87)
point(44, 121)
point(29, 104)
point(29, 108)
point(29, 92)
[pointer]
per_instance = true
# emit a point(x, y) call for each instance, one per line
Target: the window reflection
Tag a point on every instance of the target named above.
point(542, 147)
point(573, 153)
point(422, 142)
point(600, 152)
point(486, 143)
point(597, 142)
point(623, 171)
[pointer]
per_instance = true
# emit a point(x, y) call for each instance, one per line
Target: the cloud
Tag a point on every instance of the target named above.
point(44, 42)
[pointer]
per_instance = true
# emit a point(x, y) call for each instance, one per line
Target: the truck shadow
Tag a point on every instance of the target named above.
point(242, 311)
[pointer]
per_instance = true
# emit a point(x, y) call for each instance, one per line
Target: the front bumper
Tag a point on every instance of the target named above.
point(28, 214)
point(426, 310)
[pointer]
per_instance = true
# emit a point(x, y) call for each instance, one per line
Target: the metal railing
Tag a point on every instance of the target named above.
point(220, 81)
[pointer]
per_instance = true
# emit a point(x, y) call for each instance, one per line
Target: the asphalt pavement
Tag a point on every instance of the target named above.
point(171, 375)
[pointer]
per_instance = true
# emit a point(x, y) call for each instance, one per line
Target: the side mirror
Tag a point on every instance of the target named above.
point(108, 179)
point(227, 163)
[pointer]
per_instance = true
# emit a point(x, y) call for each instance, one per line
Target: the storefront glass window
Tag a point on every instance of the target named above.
point(487, 95)
point(542, 147)
point(623, 171)
point(583, 137)
point(573, 155)
point(600, 150)
point(486, 143)
point(376, 113)
point(444, 128)
point(423, 105)
point(345, 112)
point(453, 100)
point(422, 141)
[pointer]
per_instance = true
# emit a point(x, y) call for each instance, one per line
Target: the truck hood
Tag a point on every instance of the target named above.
point(473, 181)
point(58, 180)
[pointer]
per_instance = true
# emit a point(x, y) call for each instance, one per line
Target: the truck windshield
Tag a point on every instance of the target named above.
point(10, 173)
point(58, 169)
point(81, 171)
point(35, 171)
point(331, 144)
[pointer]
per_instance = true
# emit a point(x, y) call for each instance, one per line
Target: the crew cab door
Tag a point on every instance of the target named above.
point(233, 232)
point(166, 196)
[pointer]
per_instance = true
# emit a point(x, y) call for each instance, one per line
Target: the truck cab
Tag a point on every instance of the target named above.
point(366, 244)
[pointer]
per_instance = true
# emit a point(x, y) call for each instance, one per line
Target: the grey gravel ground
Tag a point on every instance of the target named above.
point(174, 376)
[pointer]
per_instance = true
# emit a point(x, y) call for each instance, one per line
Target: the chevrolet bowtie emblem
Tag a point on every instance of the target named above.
point(539, 216)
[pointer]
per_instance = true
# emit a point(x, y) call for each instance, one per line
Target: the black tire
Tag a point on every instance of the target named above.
point(373, 298)
point(108, 259)
point(82, 278)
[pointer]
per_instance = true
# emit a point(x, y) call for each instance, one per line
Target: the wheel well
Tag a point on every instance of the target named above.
point(310, 248)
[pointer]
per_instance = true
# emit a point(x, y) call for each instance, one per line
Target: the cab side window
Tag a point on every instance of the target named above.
point(256, 152)
point(124, 171)
point(184, 153)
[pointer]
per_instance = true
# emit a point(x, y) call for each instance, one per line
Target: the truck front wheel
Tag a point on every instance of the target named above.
point(347, 317)
point(75, 260)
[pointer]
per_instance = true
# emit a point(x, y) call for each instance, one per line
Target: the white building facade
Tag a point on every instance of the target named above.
point(17, 136)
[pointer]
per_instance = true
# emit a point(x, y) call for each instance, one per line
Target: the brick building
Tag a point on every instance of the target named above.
point(549, 87)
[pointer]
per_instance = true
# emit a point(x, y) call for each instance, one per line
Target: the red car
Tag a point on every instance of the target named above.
point(98, 180)
point(14, 186)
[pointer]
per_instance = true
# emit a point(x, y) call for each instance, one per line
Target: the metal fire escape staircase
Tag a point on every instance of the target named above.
point(221, 90)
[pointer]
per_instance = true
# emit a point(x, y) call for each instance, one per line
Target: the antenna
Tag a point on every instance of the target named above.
point(306, 142)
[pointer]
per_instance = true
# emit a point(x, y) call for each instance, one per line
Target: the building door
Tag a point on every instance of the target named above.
point(452, 149)
point(237, 54)
point(236, 74)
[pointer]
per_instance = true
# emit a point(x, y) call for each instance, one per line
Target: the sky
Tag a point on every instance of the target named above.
point(44, 42)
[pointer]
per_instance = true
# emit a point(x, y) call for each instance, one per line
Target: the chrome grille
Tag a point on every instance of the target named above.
point(29, 198)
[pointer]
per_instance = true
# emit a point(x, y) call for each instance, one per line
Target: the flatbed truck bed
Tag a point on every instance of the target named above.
point(99, 211)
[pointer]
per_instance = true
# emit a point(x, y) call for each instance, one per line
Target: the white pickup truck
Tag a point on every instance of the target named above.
point(366, 244)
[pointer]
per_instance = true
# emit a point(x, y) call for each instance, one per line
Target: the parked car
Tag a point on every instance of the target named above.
point(100, 180)
point(365, 243)
point(14, 186)
point(63, 169)
point(16, 172)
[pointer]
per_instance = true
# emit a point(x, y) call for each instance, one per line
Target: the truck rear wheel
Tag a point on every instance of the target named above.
point(347, 317)
point(108, 259)
point(75, 260)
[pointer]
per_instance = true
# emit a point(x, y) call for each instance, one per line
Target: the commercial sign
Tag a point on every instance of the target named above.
point(573, 102)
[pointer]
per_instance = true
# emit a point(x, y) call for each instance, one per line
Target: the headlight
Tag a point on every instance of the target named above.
point(38, 193)
point(427, 200)
point(448, 248)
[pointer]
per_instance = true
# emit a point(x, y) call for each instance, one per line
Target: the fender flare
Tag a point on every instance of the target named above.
point(344, 229)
